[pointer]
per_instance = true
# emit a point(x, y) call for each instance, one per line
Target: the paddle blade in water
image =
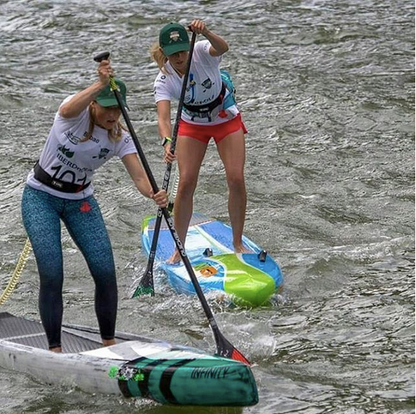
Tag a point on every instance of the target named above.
point(238, 356)
point(145, 286)
point(141, 290)
point(227, 350)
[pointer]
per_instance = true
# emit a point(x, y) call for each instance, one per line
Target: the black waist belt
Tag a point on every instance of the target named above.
point(208, 107)
point(64, 186)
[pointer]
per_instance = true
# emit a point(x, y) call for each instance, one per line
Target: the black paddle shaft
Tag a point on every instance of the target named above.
point(146, 282)
point(224, 347)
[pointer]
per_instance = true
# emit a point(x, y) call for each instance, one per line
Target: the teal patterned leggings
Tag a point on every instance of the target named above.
point(42, 215)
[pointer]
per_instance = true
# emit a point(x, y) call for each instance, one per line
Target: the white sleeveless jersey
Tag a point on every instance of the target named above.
point(204, 85)
point(65, 158)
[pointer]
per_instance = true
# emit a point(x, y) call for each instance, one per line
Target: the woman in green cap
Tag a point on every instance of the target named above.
point(85, 134)
point(209, 111)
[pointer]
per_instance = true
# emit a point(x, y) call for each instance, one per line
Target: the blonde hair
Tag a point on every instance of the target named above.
point(114, 135)
point(156, 53)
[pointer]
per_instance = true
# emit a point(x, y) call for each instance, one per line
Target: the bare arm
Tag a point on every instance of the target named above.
point(139, 177)
point(165, 127)
point(82, 99)
point(163, 119)
point(218, 45)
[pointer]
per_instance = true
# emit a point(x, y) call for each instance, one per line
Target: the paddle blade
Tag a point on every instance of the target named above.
point(238, 356)
point(140, 290)
point(145, 286)
point(227, 350)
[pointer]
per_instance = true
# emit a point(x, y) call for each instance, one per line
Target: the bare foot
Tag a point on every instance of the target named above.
point(109, 342)
point(175, 258)
point(57, 349)
point(242, 249)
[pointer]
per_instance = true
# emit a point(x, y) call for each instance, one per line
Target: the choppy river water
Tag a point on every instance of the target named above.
point(327, 94)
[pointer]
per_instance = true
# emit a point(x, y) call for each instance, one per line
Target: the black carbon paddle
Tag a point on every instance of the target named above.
point(146, 284)
point(224, 347)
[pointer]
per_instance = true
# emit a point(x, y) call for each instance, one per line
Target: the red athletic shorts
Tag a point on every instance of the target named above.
point(204, 132)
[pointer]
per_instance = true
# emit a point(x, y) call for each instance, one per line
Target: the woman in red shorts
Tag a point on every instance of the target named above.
point(209, 111)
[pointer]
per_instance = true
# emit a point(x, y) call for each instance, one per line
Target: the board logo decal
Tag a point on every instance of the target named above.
point(126, 373)
point(205, 269)
point(211, 373)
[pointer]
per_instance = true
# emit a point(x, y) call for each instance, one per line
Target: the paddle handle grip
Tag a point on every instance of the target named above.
point(102, 56)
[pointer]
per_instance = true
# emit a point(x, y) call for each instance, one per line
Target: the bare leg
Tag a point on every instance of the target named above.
point(189, 154)
point(232, 153)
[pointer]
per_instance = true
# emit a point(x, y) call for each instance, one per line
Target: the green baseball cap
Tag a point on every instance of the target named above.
point(107, 98)
point(173, 38)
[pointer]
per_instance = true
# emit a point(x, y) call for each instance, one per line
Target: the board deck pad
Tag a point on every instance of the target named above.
point(31, 333)
point(245, 277)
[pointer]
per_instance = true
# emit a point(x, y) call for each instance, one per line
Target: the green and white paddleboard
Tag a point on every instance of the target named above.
point(135, 367)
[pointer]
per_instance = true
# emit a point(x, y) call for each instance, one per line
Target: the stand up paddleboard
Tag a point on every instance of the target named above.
point(135, 367)
point(247, 278)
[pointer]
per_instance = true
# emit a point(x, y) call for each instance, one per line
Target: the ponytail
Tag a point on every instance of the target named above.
point(159, 57)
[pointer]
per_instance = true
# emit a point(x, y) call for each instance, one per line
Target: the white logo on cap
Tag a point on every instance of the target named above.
point(175, 36)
